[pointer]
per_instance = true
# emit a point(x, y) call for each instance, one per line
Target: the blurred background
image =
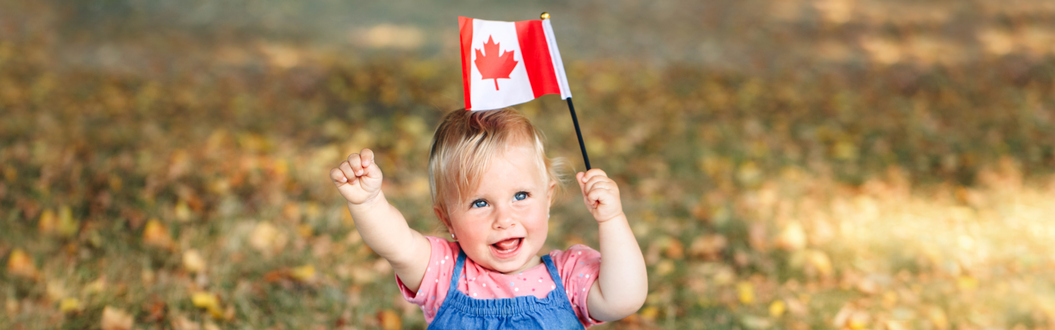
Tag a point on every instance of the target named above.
point(787, 164)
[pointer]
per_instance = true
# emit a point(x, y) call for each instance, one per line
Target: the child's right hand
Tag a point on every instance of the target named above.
point(358, 178)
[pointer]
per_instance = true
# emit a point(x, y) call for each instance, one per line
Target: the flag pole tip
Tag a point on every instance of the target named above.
point(544, 15)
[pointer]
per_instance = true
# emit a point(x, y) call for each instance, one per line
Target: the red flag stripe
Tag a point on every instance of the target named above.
point(537, 60)
point(465, 27)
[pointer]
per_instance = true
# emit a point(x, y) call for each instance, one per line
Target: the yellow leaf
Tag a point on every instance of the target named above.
point(19, 263)
point(209, 302)
point(182, 211)
point(67, 226)
point(47, 222)
point(793, 237)
point(938, 318)
point(156, 234)
point(305, 230)
point(390, 320)
point(193, 261)
point(649, 313)
point(820, 261)
point(116, 319)
point(94, 287)
point(10, 173)
point(68, 305)
point(746, 292)
point(967, 283)
point(858, 320)
point(205, 300)
point(266, 238)
point(777, 308)
point(304, 273)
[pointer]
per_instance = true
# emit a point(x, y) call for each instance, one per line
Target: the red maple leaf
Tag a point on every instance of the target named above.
point(493, 66)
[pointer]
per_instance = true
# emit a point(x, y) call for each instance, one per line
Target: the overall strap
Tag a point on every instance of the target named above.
point(552, 268)
point(457, 272)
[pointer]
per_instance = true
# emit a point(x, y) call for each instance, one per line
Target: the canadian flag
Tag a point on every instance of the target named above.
point(507, 63)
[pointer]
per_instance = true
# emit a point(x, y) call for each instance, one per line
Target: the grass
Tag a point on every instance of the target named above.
point(878, 172)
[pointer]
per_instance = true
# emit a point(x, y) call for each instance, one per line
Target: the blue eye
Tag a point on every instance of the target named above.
point(520, 196)
point(479, 203)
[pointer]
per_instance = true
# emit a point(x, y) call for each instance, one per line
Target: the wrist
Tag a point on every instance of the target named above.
point(619, 217)
point(368, 204)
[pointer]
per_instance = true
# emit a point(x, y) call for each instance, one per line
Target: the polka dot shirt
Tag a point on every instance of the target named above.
point(578, 267)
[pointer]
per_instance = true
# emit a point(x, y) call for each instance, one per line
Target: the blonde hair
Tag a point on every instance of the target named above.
point(465, 144)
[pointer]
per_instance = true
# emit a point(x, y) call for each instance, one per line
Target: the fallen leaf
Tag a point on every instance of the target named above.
point(777, 308)
point(967, 283)
point(820, 262)
point(209, 302)
point(266, 238)
point(70, 305)
point(649, 313)
point(67, 225)
point(47, 222)
point(193, 261)
point(389, 320)
point(745, 291)
point(708, 247)
point(181, 322)
point(859, 320)
point(19, 263)
point(304, 273)
point(116, 319)
point(793, 237)
point(156, 234)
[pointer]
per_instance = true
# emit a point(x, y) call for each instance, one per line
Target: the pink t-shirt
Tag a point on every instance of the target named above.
point(578, 267)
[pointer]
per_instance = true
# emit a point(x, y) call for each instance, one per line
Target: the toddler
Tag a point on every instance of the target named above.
point(492, 186)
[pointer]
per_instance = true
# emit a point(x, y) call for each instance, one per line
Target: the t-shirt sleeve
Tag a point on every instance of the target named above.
point(578, 266)
point(437, 278)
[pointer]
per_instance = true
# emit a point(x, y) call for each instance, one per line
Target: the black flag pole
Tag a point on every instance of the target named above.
point(574, 119)
point(578, 132)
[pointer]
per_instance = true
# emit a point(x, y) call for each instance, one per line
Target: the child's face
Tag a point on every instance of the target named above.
point(503, 223)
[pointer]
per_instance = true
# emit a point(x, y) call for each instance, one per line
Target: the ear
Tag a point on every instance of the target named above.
point(551, 193)
point(443, 218)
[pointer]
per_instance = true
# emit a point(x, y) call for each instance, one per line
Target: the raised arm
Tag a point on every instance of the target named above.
point(622, 283)
point(381, 225)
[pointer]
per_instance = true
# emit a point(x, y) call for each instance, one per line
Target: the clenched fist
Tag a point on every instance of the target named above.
point(358, 178)
point(601, 195)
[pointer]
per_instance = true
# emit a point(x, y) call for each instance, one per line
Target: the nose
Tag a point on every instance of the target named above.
point(503, 218)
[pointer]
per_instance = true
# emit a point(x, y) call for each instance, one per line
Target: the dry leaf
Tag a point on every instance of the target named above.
point(209, 302)
point(116, 319)
point(266, 238)
point(70, 305)
point(156, 234)
point(820, 262)
point(708, 247)
point(745, 291)
point(389, 320)
point(47, 222)
point(777, 308)
point(19, 263)
point(193, 261)
point(304, 274)
point(181, 322)
point(793, 237)
point(67, 225)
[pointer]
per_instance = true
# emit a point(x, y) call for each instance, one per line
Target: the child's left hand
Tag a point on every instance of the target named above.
point(601, 195)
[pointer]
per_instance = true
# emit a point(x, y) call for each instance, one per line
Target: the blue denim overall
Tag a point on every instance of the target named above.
point(459, 311)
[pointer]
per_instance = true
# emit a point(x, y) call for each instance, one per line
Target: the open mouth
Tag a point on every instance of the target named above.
point(507, 248)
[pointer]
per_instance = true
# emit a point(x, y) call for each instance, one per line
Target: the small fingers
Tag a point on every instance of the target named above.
point(338, 177)
point(349, 173)
point(367, 157)
point(591, 174)
point(355, 163)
